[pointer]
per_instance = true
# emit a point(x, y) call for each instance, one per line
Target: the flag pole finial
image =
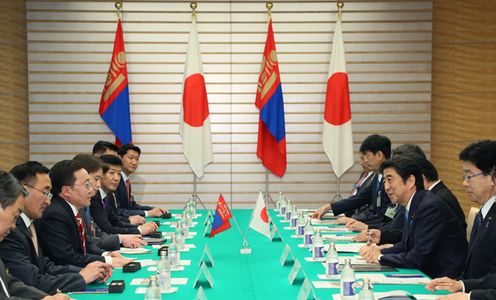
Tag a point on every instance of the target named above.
point(118, 6)
point(269, 6)
point(193, 6)
point(340, 5)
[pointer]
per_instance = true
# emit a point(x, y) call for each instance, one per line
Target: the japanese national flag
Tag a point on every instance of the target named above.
point(260, 219)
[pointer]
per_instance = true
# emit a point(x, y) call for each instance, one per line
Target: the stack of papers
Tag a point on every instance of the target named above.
point(124, 250)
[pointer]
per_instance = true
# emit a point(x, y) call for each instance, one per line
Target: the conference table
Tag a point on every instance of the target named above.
point(259, 275)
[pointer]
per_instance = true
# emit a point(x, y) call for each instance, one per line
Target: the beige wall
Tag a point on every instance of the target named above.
point(463, 83)
point(388, 46)
point(13, 84)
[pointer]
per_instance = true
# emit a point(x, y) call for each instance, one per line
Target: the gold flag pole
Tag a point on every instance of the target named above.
point(118, 6)
point(338, 196)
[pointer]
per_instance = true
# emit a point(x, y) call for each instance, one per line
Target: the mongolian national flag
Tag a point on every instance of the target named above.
point(194, 122)
point(221, 217)
point(114, 104)
point(271, 148)
point(337, 135)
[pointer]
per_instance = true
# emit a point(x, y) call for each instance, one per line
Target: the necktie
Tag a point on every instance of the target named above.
point(477, 222)
point(128, 189)
point(406, 216)
point(359, 183)
point(34, 237)
point(378, 189)
point(81, 231)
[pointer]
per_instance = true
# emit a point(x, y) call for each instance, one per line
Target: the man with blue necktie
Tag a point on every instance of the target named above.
point(433, 239)
point(479, 179)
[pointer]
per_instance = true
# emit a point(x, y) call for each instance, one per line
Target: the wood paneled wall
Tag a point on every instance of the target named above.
point(14, 134)
point(388, 46)
point(463, 83)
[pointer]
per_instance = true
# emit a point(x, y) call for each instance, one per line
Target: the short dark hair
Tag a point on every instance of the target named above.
point(26, 172)
point(481, 154)
point(405, 167)
point(375, 143)
point(110, 160)
point(90, 163)
point(407, 149)
point(426, 167)
point(10, 189)
point(101, 146)
point(62, 174)
point(126, 147)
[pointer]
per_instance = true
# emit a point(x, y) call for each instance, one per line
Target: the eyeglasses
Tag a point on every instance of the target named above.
point(468, 177)
point(87, 185)
point(47, 195)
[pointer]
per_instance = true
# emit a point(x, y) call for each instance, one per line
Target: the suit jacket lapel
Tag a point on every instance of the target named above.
point(411, 217)
point(70, 213)
point(474, 240)
point(22, 227)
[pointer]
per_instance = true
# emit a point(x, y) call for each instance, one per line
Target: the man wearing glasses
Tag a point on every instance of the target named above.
point(479, 168)
point(20, 251)
point(61, 231)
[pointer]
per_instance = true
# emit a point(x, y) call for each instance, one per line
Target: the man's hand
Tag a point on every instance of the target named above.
point(321, 211)
point(375, 236)
point(131, 240)
point(137, 220)
point(385, 246)
point(444, 283)
point(370, 253)
point(148, 228)
point(58, 296)
point(156, 212)
point(96, 271)
point(356, 225)
point(118, 262)
point(344, 220)
point(455, 296)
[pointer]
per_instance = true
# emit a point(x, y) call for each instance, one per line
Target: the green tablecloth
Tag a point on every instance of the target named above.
point(237, 276)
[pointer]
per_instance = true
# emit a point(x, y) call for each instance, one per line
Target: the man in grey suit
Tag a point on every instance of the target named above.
point(20, 250)
point(11, 203)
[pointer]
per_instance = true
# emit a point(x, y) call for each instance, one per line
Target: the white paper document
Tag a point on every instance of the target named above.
point(425, 296)
point(354, 248)
point(377, 295)
point(125, 250)
point(145, 281)
point(334, 237)
point(331, 229)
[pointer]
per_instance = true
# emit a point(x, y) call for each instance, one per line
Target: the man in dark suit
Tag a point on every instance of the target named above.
point(126, 206)
point(433, 239)
point(20, 251)
point(11, 202)
point(94, 166)
point(432, 182)
point(61, 229)
point(102, 204)
point(479, 179)
point(479, 160)
point(374, 149)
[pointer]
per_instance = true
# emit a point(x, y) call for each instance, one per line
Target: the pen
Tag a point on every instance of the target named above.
point(369, 239)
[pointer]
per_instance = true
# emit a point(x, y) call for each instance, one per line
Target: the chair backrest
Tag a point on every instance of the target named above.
point(470, 220)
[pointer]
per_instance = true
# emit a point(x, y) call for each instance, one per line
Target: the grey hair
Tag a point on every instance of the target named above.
point(10, 189)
